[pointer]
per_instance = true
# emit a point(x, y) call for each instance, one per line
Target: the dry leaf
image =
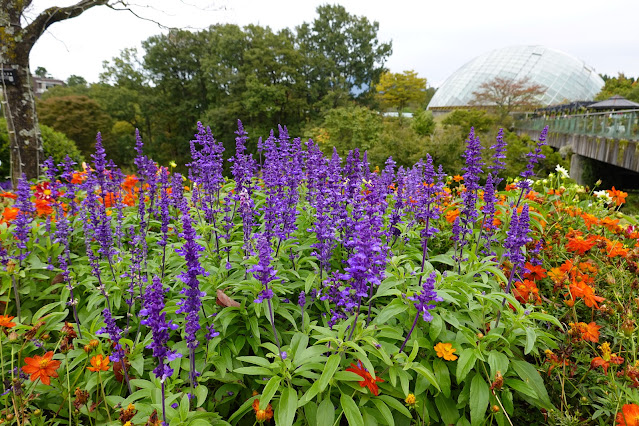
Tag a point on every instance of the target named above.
point(225, 301)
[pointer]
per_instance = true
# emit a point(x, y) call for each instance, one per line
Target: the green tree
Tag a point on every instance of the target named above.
point(465, 119)
point(347, 128)
point(76, 80)
point(628, 87)
point(343, 57)
point(55, 144)
point(41, 72)
point(78, 117)
point(423, 123)
point(396, 90)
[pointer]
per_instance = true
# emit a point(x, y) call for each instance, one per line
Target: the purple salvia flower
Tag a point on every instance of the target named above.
point(22, 222)
point(498, 154)
point(263, 271)
point(160, 328)
point(472, 172)
point(191, 305)
point(424, 299)
point(533, 158)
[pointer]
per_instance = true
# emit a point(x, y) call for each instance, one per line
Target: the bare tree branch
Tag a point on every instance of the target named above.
point(56, 14)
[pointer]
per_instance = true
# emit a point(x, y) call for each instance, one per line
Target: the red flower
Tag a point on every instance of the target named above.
point(368, 381)
point(629, 415)
point(41, 367)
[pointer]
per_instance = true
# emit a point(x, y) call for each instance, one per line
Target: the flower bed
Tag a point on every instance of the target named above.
point(313, 290)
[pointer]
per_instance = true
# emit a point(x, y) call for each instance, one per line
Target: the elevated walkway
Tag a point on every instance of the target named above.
point(611, 137)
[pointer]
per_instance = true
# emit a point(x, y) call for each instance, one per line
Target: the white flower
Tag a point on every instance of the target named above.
point(563, 173)
point(603, 195)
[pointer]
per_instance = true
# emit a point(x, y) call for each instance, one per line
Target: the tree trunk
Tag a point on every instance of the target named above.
point(24, 134)
point(18, 99)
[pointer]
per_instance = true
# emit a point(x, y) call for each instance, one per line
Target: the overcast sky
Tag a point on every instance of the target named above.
point(432, 37)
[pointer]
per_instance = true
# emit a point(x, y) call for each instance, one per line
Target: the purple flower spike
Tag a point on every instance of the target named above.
point(156, 321)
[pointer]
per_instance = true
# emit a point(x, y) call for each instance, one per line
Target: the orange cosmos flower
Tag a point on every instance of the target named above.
point(534, 272)
point(606, 358)
point(458, 178)
point(99, 363)
point(589, 332)
point(41, 367)
point(579, 245)
point(11, 195)
point(9, 214)
point(43, 207)
point(590, 220)
point(629, 415)
point(451, 215)
point(368, 381)
point(615, 248)
point(445, 350)
point(5, 321)
point(262, 415)
point(525, 291)
point(619, 197)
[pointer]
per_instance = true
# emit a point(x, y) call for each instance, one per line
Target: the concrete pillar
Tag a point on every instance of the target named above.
point(578, 164)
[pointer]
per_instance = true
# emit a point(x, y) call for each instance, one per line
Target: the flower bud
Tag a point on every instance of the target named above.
point(495, 408)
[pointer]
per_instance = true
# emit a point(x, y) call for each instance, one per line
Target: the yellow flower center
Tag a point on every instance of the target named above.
point(44, 363)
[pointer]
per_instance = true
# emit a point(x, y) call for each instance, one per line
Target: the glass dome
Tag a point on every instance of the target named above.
point(565, 77)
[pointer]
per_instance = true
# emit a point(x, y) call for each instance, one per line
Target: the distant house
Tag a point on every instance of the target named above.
point(41, 85)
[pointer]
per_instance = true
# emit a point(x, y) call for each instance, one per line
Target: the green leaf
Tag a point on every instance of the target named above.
point(390, 311)
point(384, 411)
point(184, 407)
point(520, 387)
point(436, 326)
point(285, 411)
point(443, 376)
point(497, 362)
point(395, 405)
point(479, 395)
point(253, 371)
point(269, 390)
point(262, 362)
point(531, 337)
point(530, 375)
point(242, 410)
point(325, 413)
point(427, 373)
point(465, 363)
point(352, 413)
point(201, 392)
point(447, 409)
point(413, 353)
point(331, 366)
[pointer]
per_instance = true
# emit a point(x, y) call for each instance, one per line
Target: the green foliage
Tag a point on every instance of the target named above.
point(78, 117)
point(58, 145)
point(628, 87)
point(423, 123)
point(55, 144)
point(398, 91)
point(464, 119)
point(347, 128)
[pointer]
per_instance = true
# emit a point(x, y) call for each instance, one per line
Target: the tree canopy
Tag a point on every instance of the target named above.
point(398, 90)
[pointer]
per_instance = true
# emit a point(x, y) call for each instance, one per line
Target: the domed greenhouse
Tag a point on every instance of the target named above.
point(564, 77)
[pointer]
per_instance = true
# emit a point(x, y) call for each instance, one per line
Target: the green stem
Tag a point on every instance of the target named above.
point(104, 397)
point(66, 357)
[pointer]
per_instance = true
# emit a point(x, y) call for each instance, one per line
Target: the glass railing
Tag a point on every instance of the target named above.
point(610, 124)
